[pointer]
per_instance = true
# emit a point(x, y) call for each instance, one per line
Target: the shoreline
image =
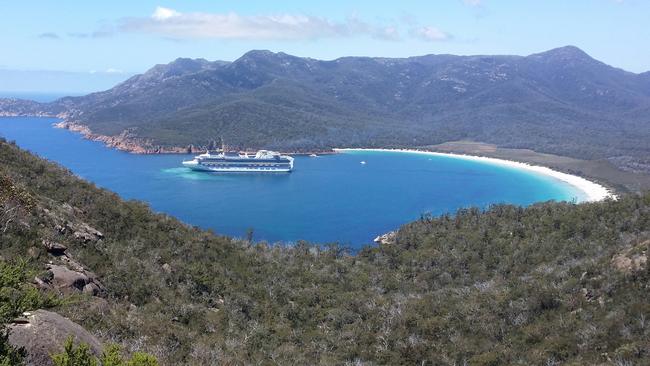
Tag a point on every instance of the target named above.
point(592, 191)
point(125, 141)
point(133, 145)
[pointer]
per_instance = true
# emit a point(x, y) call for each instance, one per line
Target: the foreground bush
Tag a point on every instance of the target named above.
point(82, 356)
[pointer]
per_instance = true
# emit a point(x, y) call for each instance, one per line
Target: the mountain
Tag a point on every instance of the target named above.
point(554, 283)
point(560, 101)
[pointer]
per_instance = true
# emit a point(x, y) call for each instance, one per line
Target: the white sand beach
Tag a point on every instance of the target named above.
point(592, 191)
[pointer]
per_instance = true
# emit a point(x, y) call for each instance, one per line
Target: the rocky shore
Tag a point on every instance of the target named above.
point(386, 239)
point(5, 113)
point(127, 141)
point(18, 114)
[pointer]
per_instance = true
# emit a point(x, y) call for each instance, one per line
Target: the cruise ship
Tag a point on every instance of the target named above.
point(225, 162)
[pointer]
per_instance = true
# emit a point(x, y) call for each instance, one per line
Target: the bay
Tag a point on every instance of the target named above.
point(330, 198)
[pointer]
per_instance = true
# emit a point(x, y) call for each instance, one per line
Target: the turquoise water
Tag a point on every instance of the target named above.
point(330, 198)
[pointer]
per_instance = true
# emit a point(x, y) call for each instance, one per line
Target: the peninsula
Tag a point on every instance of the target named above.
point(276, 101)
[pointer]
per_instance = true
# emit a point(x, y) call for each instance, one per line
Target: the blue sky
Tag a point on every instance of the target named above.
point(130, 36)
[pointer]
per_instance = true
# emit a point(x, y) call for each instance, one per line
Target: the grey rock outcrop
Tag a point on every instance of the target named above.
point(42, 333)
point(82, 232)
point(54, 248)
point(67, 281)
point(91, 289)
point(86, 234)
point(167, 268)
point(633, 259)
point(388, 238)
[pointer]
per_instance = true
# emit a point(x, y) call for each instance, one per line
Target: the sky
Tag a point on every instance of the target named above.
point(109, 40)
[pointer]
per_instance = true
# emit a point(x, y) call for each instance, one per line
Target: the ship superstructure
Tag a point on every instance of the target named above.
point(262, 161)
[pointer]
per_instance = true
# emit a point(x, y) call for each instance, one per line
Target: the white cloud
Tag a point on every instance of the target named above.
point(164, 13)
point(387, 33)
point(473, 2)
point(430, 34)
point(96, 34)
point(48, 35)
point(174, 24)
point(177, 25)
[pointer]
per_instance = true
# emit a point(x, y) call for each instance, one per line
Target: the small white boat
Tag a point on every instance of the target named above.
point(313, 155)
point(363, 162)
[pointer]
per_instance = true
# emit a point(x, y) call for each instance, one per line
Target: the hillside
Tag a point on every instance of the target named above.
point(552, 283)
point(561, 101)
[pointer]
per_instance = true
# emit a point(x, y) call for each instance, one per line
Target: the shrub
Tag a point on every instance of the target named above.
point(74, 356)
point(112, 356)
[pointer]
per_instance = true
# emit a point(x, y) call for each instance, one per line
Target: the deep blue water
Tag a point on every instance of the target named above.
point(331, 198)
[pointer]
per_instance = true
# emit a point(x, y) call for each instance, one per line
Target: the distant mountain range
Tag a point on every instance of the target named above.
point(560, 101)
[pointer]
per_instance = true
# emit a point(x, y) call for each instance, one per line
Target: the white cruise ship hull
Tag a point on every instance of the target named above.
point(263, 162)
point(204, 168)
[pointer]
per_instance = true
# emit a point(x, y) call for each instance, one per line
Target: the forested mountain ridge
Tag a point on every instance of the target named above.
point(560, 101)
point(549, 284)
